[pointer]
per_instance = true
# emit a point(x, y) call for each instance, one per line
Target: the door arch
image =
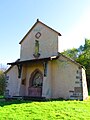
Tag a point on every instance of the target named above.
point(35, 84)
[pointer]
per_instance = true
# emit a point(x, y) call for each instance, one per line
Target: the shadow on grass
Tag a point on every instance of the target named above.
point(4, 102)
point(10, 102)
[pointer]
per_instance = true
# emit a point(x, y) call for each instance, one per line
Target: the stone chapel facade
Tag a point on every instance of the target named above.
point(42, 71)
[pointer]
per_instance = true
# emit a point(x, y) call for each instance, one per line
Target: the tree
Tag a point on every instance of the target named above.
point(80, 50)
point(2, 82)
point(81, 55)
point(84, 59)
point(71, 53)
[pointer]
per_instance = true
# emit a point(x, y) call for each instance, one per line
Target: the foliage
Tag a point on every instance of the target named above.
point(84, 58)
point(49, 110)
point(1, 96)
point(71, 53)
point(81, 55)
point(2, 82)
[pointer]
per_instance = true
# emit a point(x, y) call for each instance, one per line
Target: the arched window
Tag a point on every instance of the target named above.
point(36, 78)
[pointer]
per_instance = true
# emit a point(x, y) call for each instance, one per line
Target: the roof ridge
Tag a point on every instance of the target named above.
point(38, 21)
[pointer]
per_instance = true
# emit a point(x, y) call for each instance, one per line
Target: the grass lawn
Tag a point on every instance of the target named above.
point(49, 110)
point(1, 96)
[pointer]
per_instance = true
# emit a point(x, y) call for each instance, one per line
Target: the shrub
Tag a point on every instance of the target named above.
point(2, 82)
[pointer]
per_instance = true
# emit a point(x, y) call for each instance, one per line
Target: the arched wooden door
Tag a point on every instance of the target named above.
point(35, 84)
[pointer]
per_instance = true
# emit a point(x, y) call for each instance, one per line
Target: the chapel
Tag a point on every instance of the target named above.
point(41, 71)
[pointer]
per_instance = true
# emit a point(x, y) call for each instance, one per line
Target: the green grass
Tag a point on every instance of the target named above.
point(1, 96)
point(49, 110)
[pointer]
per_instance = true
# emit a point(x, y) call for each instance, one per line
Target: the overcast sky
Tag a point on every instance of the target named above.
point(69, 17)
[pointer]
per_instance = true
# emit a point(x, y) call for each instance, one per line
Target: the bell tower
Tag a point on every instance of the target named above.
point(41, 41)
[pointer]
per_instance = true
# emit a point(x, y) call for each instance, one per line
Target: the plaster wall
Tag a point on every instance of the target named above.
point(64, 78)
point(47, 91)
point(12, 81)
point(84, 83)
point(48, 43)
point(22, 91)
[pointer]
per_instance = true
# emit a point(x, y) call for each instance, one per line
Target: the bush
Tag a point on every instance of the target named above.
point(2, 82)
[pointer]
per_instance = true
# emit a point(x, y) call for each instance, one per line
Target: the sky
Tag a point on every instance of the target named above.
point(69, 17)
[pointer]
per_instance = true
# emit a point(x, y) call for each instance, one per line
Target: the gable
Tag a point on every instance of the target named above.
point(41, 39)
point(33, 28)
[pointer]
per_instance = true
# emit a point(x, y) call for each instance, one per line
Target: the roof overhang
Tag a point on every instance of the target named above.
point(34, 60)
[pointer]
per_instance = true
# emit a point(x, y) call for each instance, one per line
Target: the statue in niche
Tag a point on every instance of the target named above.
point(37, 80)
point(36, 53)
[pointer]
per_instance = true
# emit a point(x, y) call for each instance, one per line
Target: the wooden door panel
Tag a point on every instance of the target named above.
point(35, 92)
